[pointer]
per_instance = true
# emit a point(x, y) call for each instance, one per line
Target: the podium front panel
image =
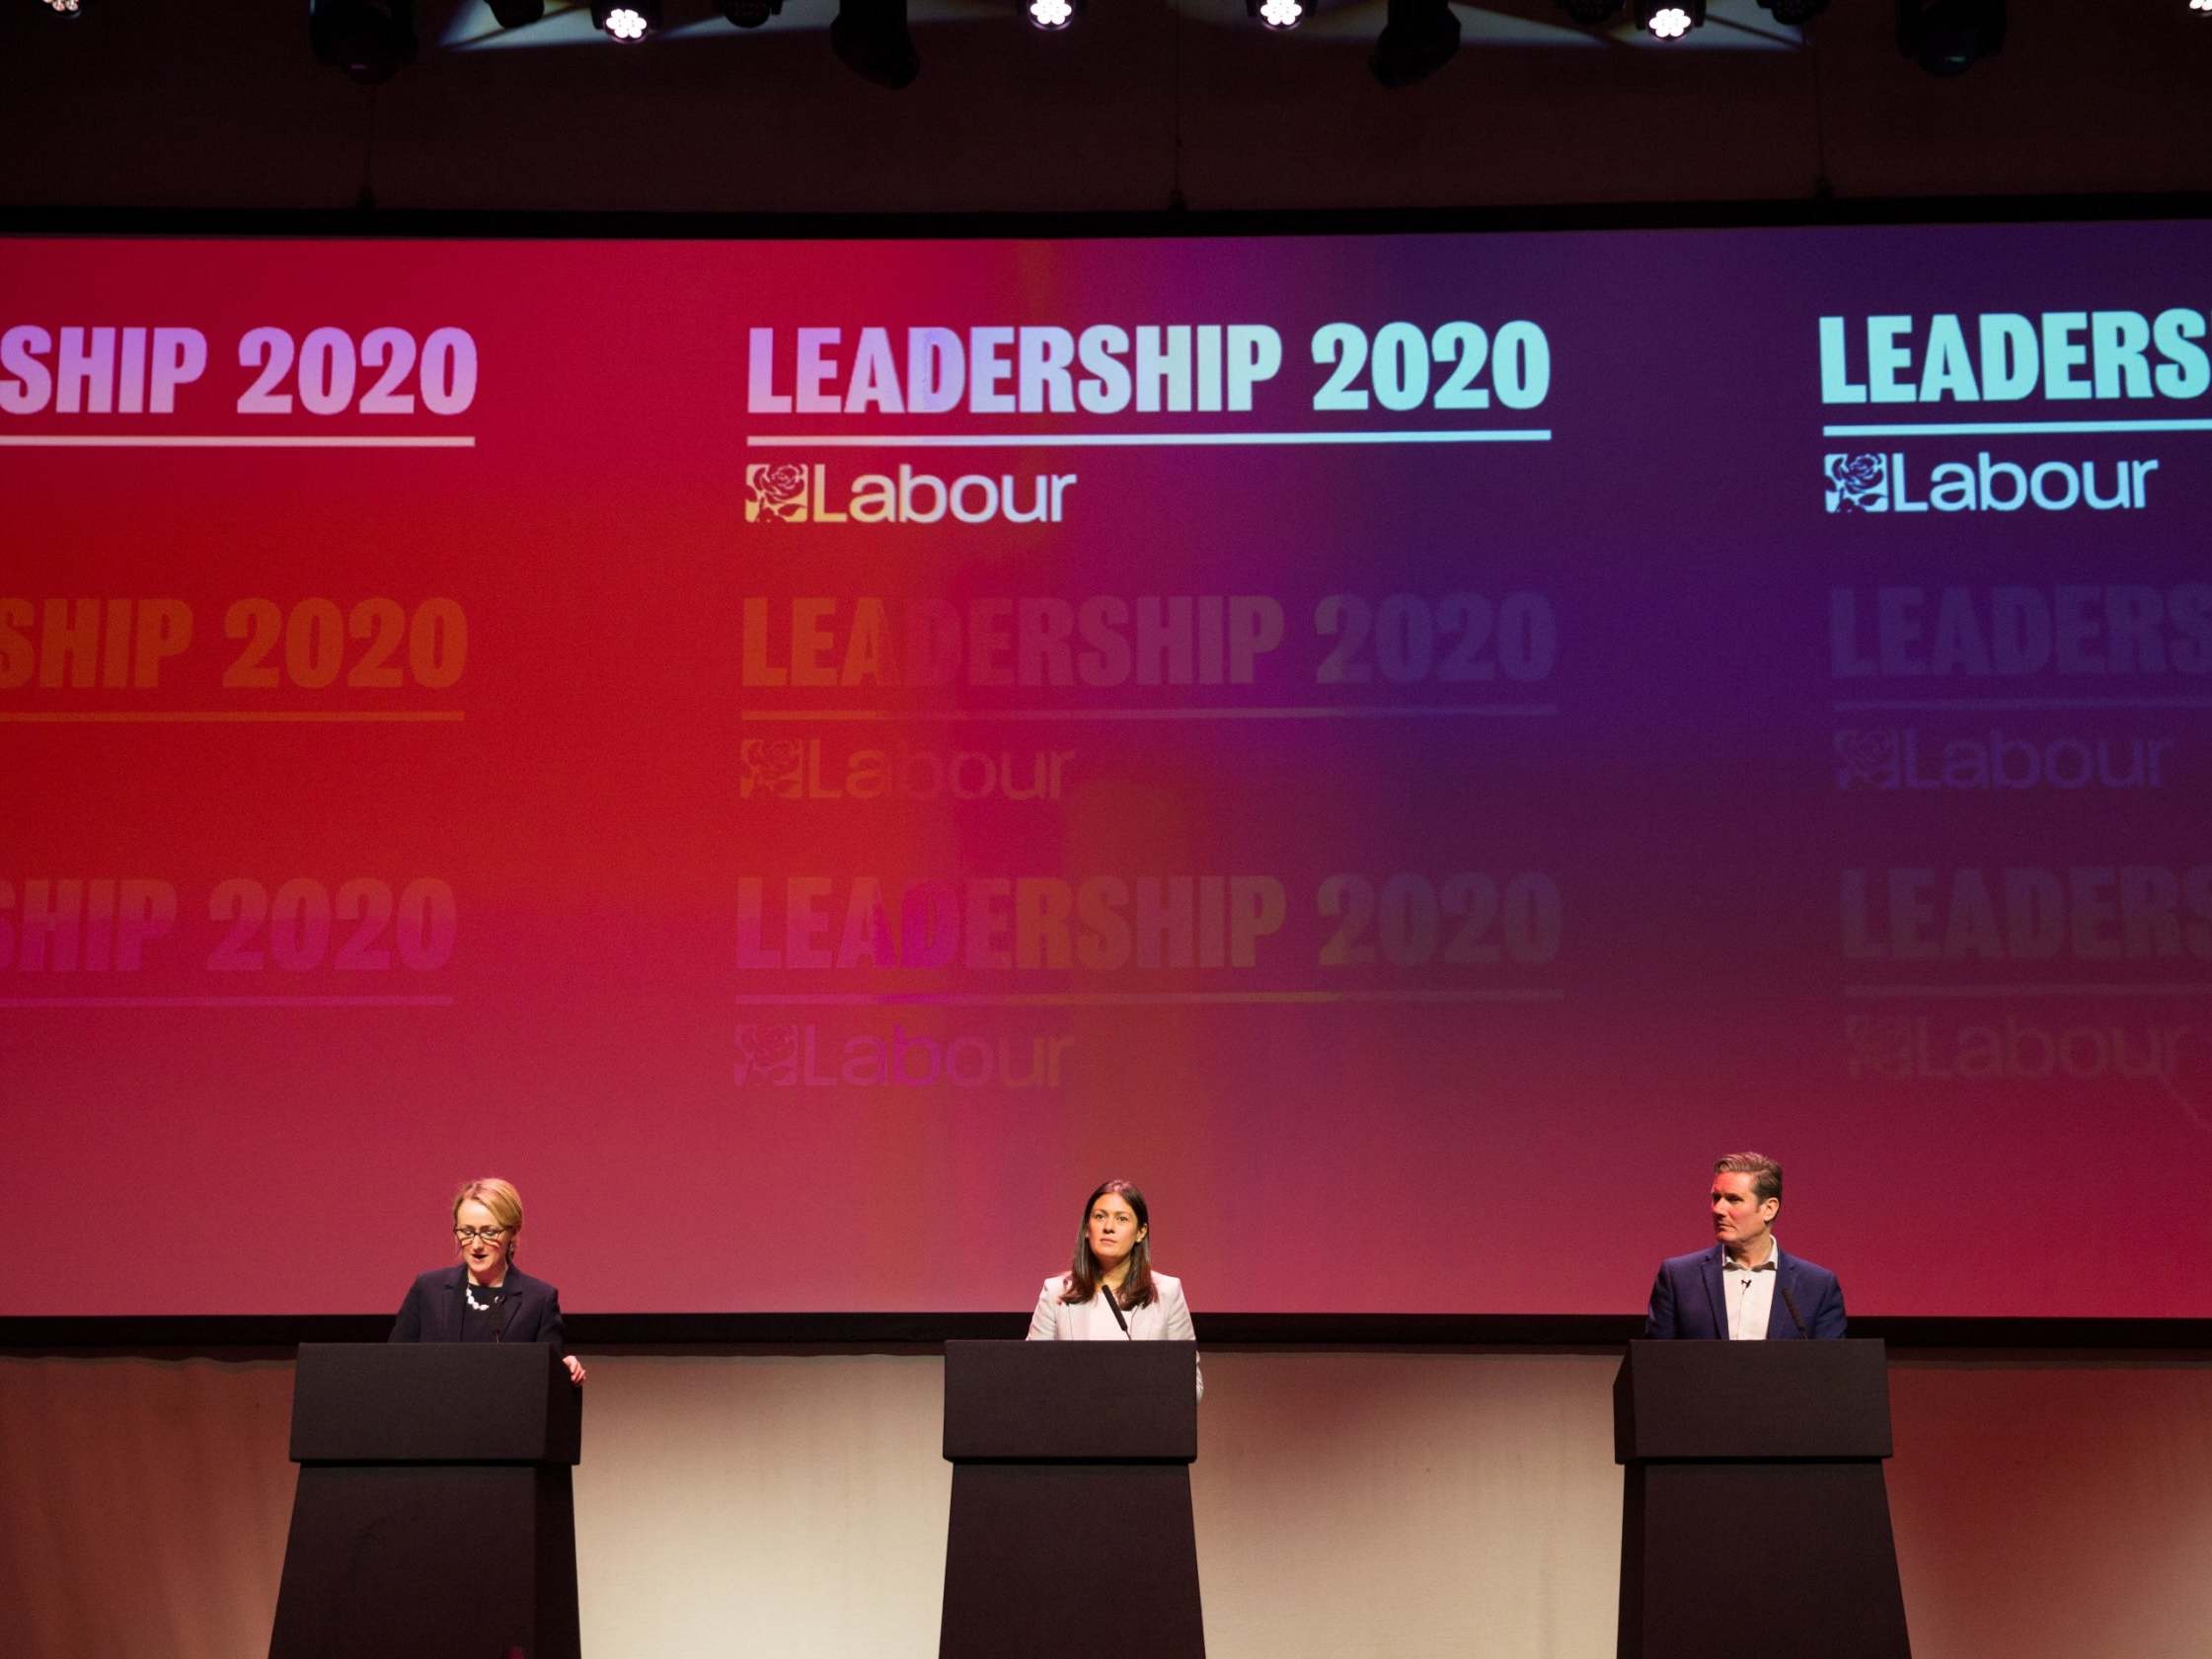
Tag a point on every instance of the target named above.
point(1071, 1401)
point(1071, 1461)
point(1723, 1402)
point(426, 1402)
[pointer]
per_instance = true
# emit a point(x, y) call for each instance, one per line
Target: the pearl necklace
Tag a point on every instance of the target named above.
point(468, 1289)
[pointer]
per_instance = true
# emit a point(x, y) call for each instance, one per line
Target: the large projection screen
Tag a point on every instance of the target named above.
point(808, 756)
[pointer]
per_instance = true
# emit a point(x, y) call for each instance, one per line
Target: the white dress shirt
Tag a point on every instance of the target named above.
point(1750, 1292)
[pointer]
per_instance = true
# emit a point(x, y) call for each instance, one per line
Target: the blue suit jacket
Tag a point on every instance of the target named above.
point(1686, 1300)
point(431, 1312)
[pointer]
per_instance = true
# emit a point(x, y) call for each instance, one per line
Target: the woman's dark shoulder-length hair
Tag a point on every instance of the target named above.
point(1137, 1289)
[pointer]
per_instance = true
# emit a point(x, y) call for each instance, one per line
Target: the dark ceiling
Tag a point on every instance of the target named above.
point(217, 104)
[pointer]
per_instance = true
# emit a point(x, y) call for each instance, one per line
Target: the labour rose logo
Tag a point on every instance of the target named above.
point(1880, 1046)
point(1866, 760)
point(770, 767)
point(776, 493)
point(1857, 483)
point(767, 1054)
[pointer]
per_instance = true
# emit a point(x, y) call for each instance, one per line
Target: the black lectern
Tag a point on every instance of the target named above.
point(1755, 1500)
point(433, 1517)
point(1071, 1499)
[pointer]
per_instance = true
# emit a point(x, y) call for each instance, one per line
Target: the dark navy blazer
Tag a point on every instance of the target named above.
point(431, 1312)
point(1686, 1300)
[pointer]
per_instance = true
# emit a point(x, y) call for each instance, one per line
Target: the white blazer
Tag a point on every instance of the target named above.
point(1167, 1318)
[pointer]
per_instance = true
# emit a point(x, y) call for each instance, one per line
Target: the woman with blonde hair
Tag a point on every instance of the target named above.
point(482, 1297)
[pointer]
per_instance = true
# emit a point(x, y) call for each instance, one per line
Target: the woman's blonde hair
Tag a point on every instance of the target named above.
point(500, 1198)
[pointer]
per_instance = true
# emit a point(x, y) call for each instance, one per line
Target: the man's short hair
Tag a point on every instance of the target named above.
point(1764, 1174)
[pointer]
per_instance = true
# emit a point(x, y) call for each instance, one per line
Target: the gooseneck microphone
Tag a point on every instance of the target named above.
point(1790, 1302)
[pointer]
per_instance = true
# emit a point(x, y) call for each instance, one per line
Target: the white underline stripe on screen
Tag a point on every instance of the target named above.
point(232, 716)
point(2006, 429)
point(922, 717)
point(1128, 999)
point(1998, 992)
point(219, 440)
point(1133, 440)
point(242, 1001)
point(2015, 705)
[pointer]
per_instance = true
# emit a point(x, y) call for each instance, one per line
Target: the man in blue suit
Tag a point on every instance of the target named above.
point(1744, 1289)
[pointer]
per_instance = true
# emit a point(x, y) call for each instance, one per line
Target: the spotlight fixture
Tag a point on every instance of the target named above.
point(627, 20)
point(2202, 8)
point(1051, 16)
point(517, 14)
point(1418, 39)
point(1590, 13)
point(870, 38)
point(1669, 20)
point(749, 14)
point(1277, 14)
point(1795, 12)
point(65, 7)
point(1949, 37)
point(370, 40)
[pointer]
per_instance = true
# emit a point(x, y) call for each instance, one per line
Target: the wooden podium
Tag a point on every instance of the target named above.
point(1755, 1500)
point(433, 1517)
point(1071, 1499)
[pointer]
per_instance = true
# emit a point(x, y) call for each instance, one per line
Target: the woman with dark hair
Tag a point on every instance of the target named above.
point(1110, 1292)
point(484, 1297)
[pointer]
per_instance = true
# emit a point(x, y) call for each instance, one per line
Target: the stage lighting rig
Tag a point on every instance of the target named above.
point(1051, 16)
point(370, 40)
point(65, 7)
point(749, 14)
point(1669, 20)
point(517, 14)
point(1949, 37)
point(870, 38)
point(1277, 14)
point(628, 21)
point(1418, 39)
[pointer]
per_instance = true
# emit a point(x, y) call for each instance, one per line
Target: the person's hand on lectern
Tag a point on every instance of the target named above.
point(576, 1369)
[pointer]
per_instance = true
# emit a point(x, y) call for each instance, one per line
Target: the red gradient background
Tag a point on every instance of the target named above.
point(1508, 1136)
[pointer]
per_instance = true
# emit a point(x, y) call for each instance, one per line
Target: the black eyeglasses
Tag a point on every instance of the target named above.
point(489, 1234)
